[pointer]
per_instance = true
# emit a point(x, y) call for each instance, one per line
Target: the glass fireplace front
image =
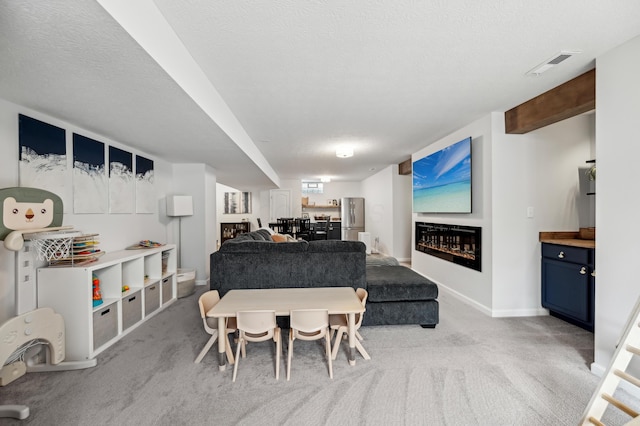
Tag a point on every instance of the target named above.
point(455, 243)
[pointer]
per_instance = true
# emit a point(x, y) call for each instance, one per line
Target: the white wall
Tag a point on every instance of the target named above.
point(468, 284)
point(402, 217)
point(618, 233)
point(539, 169)
point(211, 217)
point(377, 191)
point(117, 231)
point(388, 211)
point(198, 231)
point(511, 173)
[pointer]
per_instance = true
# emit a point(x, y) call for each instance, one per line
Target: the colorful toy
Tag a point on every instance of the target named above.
point(97, 296)
point(125, 288)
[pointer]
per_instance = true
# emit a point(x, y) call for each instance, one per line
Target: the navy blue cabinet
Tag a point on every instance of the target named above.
point(568, 284)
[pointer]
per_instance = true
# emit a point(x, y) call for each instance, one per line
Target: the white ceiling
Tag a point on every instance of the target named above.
point(266, 90)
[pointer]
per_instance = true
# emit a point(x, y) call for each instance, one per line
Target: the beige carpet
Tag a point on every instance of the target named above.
point(470, 370)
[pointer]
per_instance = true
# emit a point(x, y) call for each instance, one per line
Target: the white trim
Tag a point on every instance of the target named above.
point(520, 313)
point(465, 299)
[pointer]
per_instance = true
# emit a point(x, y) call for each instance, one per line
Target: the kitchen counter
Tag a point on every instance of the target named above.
point(566, 239)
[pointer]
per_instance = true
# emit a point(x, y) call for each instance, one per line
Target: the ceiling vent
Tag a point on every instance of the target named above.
point(552, 62)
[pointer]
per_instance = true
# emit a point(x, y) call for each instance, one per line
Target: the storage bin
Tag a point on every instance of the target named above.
point(186, 282)
point(151, 298)
point(131, 309)
point(105, 325)
point(167, 289)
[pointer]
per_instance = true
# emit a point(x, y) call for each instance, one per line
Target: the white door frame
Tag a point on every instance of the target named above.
point(279, 204)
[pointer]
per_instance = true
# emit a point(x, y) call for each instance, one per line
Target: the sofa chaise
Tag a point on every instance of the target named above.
point(397, 294)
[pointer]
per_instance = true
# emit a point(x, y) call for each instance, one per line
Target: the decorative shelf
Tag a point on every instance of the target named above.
point(319, 206)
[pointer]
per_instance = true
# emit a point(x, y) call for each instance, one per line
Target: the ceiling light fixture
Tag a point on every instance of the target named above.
point(325, 179)
point(344, 152)
point(552, 62)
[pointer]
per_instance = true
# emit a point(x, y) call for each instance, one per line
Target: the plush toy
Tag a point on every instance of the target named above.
point(28, 210)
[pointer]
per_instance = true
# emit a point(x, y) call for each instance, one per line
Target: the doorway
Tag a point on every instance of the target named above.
point(279, 204)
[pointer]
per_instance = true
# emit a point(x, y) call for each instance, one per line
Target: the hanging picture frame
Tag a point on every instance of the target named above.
point(43, 158)
point(90, 187)
point(145, 188)
point(120, 181)
point(237, 202)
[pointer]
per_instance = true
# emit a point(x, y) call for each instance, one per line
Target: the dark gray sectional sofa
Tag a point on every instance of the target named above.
point(397, 294)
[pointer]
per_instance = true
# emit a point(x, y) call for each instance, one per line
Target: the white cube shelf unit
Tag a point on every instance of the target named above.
point(151, 277)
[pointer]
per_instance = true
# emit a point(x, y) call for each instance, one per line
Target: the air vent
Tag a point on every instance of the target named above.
point(561, 57)
point(552, 62)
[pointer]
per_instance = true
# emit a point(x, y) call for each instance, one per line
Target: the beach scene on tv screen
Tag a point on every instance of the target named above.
point(442, 180)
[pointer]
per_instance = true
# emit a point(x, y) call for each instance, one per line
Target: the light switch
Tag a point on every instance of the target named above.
point(529, 212)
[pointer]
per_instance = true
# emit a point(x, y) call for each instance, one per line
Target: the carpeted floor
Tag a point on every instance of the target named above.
point(470, 370)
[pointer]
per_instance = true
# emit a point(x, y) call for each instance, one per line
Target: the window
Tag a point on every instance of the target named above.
point(312, 188)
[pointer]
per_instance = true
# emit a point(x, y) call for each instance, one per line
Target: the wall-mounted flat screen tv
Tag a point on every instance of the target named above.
point(442, 180)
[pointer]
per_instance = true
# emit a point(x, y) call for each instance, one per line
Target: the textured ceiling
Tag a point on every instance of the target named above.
point(388, 76)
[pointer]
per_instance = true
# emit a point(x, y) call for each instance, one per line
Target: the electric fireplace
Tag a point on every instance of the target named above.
point(455, 243)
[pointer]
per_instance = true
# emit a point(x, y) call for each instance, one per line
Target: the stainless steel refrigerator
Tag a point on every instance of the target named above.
point(352, 216)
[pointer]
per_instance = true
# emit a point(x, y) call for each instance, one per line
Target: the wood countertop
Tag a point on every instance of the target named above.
point(566, 239)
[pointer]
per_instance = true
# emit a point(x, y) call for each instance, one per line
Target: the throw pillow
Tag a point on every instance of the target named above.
point(279, 238)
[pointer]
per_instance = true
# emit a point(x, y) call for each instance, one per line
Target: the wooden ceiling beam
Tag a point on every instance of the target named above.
point(565, 101)
point(404, 168)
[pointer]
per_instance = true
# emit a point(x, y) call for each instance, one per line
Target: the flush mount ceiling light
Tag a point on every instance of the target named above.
point(552, 62)
point(325, 179)
point(344, 152)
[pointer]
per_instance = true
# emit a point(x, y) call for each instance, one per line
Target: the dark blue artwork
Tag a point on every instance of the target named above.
point(39, 137)
point(88, 151)
point(120, 160)
point(121, 181)
point(89, 177)
point(145, 189)
point(143, 165)
point(43, 157)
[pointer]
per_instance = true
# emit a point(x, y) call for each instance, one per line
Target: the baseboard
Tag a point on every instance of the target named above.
point(505, 313)
point(536, 312)
point(466, 300)
point(459, 296)
point(597, 369)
